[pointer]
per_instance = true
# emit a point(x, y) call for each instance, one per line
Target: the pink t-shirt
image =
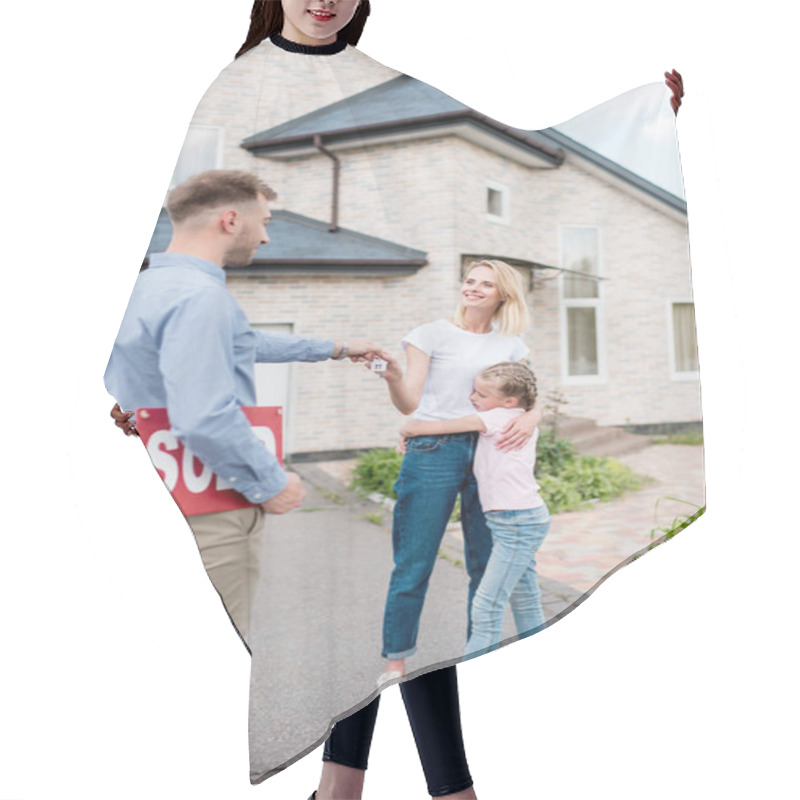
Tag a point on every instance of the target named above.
point(505, 479)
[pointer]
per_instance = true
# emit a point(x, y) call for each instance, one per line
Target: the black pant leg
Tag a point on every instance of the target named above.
point(433, 710)
point(434, 713)
point(351, 738)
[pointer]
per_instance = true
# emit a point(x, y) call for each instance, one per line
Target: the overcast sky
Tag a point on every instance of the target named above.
point(637, 130)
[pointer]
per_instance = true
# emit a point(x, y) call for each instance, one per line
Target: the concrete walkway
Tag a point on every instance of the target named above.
point(317, 621)
point(582, 547)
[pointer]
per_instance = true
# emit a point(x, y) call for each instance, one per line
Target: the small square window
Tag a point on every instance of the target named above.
point(494, 202)
point(498, 203)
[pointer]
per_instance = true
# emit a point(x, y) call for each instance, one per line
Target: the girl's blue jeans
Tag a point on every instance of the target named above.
point(510, 577)
point(435, 470)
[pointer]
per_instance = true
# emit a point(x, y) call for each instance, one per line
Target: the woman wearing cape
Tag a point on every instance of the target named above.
point(309, 43)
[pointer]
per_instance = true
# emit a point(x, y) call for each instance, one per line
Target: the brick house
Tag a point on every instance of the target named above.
point(388, 187)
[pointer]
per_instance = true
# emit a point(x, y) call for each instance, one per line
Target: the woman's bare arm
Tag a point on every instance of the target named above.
point(406, 390)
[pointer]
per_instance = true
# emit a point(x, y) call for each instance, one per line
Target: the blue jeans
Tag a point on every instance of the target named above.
point(435, 470)
point(510, 576)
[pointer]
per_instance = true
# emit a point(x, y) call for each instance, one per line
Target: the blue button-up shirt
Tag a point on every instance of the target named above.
point(186, 345)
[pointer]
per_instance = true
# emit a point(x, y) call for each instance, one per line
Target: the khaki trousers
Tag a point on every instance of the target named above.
point(230, 545)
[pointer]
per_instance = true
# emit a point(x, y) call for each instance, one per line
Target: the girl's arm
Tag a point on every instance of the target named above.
point(438, 427)
point(406, 390)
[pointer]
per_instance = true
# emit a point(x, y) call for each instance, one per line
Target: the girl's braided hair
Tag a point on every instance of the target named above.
point(514, 379)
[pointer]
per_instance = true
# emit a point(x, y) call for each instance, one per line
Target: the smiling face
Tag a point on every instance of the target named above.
point(486, 396)
point(316, 22)
point(252, 220)
point(480, 290)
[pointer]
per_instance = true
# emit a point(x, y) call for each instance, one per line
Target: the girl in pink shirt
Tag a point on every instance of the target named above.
point(515, 513)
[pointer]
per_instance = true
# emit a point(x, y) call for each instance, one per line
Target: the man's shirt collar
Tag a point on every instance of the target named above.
point(159, 260)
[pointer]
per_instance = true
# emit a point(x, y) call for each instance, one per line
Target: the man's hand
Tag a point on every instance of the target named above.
point(289, 498)
point(675, 83)
point(123, 420)
point(362, 349)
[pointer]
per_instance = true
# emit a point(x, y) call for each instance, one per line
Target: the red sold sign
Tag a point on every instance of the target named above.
point(193, 486)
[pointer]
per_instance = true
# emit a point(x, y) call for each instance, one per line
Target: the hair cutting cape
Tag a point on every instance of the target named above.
point(387, 189)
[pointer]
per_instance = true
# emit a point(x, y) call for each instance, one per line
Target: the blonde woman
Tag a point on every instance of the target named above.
point(442, 361)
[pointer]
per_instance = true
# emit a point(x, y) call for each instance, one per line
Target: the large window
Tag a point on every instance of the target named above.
point(581, 299)
point(683, 340)
point(201, 151)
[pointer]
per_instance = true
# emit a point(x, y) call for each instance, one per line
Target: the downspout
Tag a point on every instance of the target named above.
point(334, 226)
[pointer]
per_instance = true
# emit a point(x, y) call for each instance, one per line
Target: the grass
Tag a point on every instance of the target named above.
point(332, 496)
point(665, 532)
point(680, 438)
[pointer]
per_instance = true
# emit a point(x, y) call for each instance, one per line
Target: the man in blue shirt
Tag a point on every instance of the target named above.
point(185, 345)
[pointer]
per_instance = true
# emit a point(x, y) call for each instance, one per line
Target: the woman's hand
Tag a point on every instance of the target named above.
point(675, 83)
point(518, 432)
point(123, 420)
point(393, 371)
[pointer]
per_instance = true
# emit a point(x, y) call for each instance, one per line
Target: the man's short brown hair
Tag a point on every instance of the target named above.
point(215, 188)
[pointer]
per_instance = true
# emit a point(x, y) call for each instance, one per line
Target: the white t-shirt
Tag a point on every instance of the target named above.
point(505, 479)
point(457, 356)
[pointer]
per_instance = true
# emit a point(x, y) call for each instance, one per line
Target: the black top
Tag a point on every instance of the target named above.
point(308, 49)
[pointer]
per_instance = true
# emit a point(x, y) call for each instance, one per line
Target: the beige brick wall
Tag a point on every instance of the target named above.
point(431, 195)
point(644, 256)
point(401, 193)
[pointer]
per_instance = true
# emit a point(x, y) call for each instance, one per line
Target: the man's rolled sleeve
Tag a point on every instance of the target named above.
point(277, 348)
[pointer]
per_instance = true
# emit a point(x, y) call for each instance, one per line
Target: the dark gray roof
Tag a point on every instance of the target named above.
point(401, 105)
point(405, 104)
point(560, 140)
point(302, 245)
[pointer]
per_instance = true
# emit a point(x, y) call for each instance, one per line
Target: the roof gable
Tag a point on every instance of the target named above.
point(401, 108)
point(405, 108)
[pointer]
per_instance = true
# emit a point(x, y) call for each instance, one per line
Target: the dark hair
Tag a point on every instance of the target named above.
point(266, 18)
point(214, 188)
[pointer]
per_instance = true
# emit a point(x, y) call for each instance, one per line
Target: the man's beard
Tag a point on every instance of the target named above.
point(239, 256)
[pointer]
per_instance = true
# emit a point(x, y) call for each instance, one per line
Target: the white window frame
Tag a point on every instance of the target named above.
point(674, 374)
point(598, 303)
point(217, 156)
point(505, 193)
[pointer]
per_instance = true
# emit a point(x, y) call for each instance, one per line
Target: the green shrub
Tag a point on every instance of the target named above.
point(376, 471)
point(567, 481)
point(559, 494)
point(552, 453)
point(584, 478)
